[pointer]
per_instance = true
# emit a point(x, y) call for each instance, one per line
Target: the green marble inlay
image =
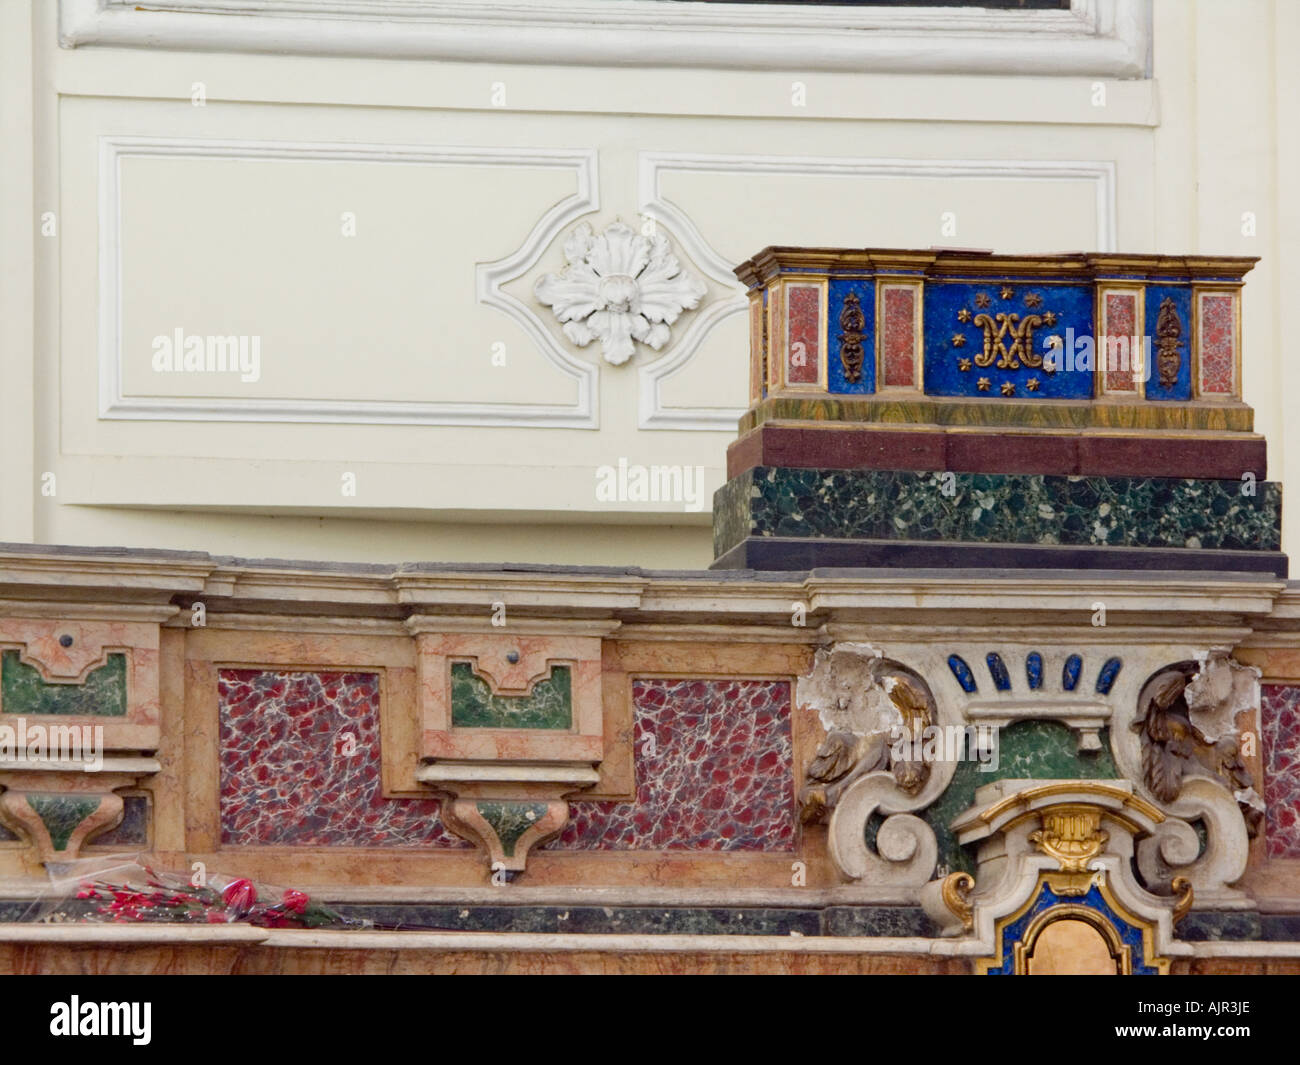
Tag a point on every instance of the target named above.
point(24, 691)
point(61, 814)
point(549, 705)
point(731, 513)
point(1027, 750)
point(510, 820)
point(1161, 512)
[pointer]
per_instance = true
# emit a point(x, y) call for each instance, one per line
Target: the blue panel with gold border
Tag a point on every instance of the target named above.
point(989, 338)
point(858, 317)
point(1180, 297)
point(1014, 932)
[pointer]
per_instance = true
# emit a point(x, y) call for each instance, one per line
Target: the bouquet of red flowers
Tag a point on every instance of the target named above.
point(145, 895)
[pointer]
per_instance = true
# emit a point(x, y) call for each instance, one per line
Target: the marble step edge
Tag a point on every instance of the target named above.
point(765, 553)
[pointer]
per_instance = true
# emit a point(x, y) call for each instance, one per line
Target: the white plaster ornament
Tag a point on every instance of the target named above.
point(618, 288)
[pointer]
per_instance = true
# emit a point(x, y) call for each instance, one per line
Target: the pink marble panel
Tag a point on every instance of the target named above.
point(1121, 343)
point(898, 337)
point(714, 771)
point(300, 765)
point(803, 353)
point(1280, 714)
point(1218, 357)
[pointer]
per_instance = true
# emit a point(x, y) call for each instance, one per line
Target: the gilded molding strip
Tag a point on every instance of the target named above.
point(919, 411)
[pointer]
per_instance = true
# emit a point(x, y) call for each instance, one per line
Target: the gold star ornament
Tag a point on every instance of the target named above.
point(1007, 292)
point(981, 299)
point(963, 365)
point(1032, 384)
point(963, 315)
point(1033, 299)
point(958, 340)
point(1008, 389)
point(982, 384)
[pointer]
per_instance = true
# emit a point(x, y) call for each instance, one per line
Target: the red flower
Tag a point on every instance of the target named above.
point(239, 895)
point(295, 901)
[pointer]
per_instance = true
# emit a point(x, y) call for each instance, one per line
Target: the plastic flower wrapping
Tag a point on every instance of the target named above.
point(116, 891)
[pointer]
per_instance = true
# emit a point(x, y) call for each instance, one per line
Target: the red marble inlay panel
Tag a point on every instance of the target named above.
point(803, 354)
point(300, 765)
point(756, 347)
point(1280, 722)
point(1218, 365)
point(1122, 343)
point(898, 337)
point(714, 770)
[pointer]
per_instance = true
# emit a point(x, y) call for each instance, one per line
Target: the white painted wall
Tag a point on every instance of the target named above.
point(377, 349)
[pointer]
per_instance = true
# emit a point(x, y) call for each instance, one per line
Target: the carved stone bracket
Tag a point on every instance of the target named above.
point(58, 807)
point(513, 723)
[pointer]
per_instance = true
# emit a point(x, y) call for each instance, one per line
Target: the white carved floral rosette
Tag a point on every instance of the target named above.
point(619, 288)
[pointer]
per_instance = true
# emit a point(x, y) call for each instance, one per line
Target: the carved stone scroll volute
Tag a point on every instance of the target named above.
point(1187, 720)
point(871, 762)
point(1192, 763)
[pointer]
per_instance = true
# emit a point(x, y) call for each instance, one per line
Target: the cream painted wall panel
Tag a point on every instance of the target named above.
point(1284, 452)
point(386, 314)
point(343, 539)
point(1007, 215)
point(278, 483)
point(19, 480)
point(717, 375)
point(1236, 175)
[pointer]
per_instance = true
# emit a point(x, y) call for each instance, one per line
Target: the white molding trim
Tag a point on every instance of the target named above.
point(581, 415)
point(1094, 38)
point(652, 165)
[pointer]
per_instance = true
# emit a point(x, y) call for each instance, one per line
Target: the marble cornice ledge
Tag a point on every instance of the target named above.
point(548, 592)
point(970, 599)
point(148, 585)
point(1282, 626)
point(43, 580)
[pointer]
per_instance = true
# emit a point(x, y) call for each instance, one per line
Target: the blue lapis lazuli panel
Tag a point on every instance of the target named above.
point(962, 672)
point(951, 310)
point(1106, 676)
point(1182, 297)
point(1034, 670)
point(866, 293)
point(998, 671)
point(1047, 899)
point(1070, 673)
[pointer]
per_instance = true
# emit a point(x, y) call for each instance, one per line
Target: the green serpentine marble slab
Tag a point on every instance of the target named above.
point(24, 691)
point(549, 705)
point(997, 508)
point(1027, 750)
point(510, 820)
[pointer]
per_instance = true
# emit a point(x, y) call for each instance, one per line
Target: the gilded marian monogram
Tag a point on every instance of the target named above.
point(1001, 327)
point(1008, 336)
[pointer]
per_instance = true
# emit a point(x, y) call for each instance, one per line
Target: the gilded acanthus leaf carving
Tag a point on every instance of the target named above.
point(1188, 725)
point(865, 705)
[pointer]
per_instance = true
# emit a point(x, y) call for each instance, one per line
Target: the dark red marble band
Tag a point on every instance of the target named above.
point(861, 447)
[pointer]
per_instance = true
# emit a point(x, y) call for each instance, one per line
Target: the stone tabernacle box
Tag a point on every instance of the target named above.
point(964, 408)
